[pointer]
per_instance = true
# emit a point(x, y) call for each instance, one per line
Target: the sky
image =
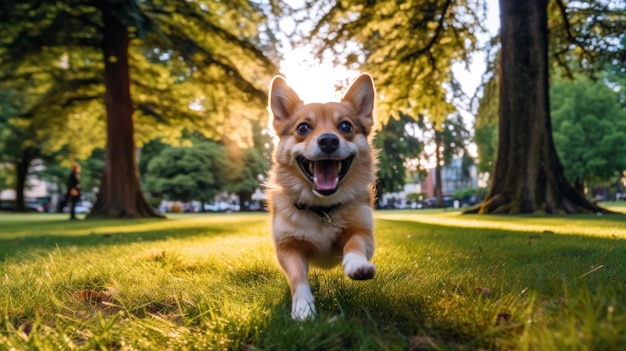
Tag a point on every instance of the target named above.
point(315, 82)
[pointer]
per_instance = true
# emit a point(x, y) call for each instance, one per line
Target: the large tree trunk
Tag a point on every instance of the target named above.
point(120, 194)
point(528, 175)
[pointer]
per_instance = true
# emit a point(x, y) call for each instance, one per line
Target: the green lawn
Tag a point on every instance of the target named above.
point(211, 282)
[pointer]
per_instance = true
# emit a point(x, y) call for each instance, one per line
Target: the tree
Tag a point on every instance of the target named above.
point(408, 47)
point(34, 114)
point(188, 173)
point(248, 164)
point(486, 125)
point(187, 47)
point(397, 144)
point(449, 139)
point(589, 130)
point(528, 174)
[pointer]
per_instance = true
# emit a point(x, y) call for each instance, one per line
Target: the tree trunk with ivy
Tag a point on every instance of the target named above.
point(528, 177)
point(120, 194)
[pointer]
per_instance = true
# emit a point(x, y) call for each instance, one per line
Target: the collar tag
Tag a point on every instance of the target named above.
point(326, 219)
point(322, 212)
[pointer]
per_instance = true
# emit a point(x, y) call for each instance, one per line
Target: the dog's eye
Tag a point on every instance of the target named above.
point(303, 128)
point(345, 127)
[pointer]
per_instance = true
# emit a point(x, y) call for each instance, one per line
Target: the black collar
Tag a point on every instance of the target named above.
point(322, 211)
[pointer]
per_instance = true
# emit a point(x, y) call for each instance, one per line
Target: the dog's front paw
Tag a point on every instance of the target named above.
point(303, 304)
point(358, 267)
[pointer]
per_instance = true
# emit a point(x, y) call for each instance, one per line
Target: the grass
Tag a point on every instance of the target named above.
point(211, 282)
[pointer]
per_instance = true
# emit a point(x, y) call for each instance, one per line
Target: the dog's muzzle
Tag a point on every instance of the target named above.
point(325, 174)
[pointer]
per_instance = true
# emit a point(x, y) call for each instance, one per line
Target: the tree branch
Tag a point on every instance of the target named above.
point(433, 40)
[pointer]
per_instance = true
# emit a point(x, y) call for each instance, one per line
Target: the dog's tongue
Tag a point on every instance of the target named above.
point(325, 175)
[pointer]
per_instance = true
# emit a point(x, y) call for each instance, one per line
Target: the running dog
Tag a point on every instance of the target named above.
point(320, 188)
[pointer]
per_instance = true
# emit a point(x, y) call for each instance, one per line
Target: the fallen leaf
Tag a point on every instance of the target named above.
point(483, 291)
point(93, 296)
point(423, 343)
point(503, 319)
point(26, 328)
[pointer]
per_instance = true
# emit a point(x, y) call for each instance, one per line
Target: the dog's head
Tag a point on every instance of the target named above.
point(325, 145)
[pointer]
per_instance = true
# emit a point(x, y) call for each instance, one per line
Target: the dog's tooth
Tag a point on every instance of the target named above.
point(311, 167)
point(339, 164)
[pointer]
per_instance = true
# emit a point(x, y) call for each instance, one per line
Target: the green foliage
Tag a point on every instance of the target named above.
point(7, 177)
point(486, 139)
point(456, 282)
point(397, 143)
point(589, 130)
point(584, 38)
point(248, 164)
point(453, 137)
point(246, 171)
point(188, 173)
point(588, 121)
point(188, 61)
point(477, 193)
point(149, 151)
point(486, 126)
point(408, 47)
point(415, 197)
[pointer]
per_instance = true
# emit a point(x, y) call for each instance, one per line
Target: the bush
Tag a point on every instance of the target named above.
point(477, 193)
point(155, 202)
point(416, 197)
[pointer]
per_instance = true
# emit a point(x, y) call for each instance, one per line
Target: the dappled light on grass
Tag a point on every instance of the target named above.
point(593, 225)
point(53, 224)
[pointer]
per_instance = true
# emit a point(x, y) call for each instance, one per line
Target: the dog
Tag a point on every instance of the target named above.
point(321, 186)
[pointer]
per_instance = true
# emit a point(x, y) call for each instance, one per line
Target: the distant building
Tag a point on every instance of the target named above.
point(452, 179)
point(399, 199)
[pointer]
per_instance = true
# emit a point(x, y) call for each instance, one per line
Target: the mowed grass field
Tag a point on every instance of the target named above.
point(211, 282)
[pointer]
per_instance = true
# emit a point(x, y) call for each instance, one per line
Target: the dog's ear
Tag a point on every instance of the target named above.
point(361, 95)
point(282, 99)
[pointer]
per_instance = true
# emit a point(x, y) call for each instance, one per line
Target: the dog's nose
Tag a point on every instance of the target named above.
point(328, 142)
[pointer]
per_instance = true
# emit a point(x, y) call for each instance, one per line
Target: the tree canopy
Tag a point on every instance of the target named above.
point(408, 47)
point(184, 173)
point(398, 144)
point(191, 66)
point(589, 130)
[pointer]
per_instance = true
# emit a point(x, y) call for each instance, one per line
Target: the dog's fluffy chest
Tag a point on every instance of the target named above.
point(319, 232)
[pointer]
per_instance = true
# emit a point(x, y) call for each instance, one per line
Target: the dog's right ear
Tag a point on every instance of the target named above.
point(282, 99)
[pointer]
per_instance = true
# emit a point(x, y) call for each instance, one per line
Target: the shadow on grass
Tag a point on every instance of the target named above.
point(96, 233)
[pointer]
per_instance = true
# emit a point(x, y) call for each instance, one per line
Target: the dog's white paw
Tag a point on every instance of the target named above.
point(303, 304)
point(358, 267)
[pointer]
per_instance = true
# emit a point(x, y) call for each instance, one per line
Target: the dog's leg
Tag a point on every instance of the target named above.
point(296, 267)
point(356, 254)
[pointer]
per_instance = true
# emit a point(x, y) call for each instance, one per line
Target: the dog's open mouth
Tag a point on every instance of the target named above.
point(325, 174)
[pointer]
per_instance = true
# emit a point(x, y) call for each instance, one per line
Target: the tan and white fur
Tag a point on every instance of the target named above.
point(320, 188)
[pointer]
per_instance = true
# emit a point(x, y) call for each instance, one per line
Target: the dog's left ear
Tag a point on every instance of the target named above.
point(361, 95)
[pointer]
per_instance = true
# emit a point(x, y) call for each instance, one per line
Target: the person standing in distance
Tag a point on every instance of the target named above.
point(73, 190)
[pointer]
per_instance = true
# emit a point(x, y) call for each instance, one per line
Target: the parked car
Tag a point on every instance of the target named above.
point(448, 201)
point(31, 206)
point(81, 207)
point(221, 207)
